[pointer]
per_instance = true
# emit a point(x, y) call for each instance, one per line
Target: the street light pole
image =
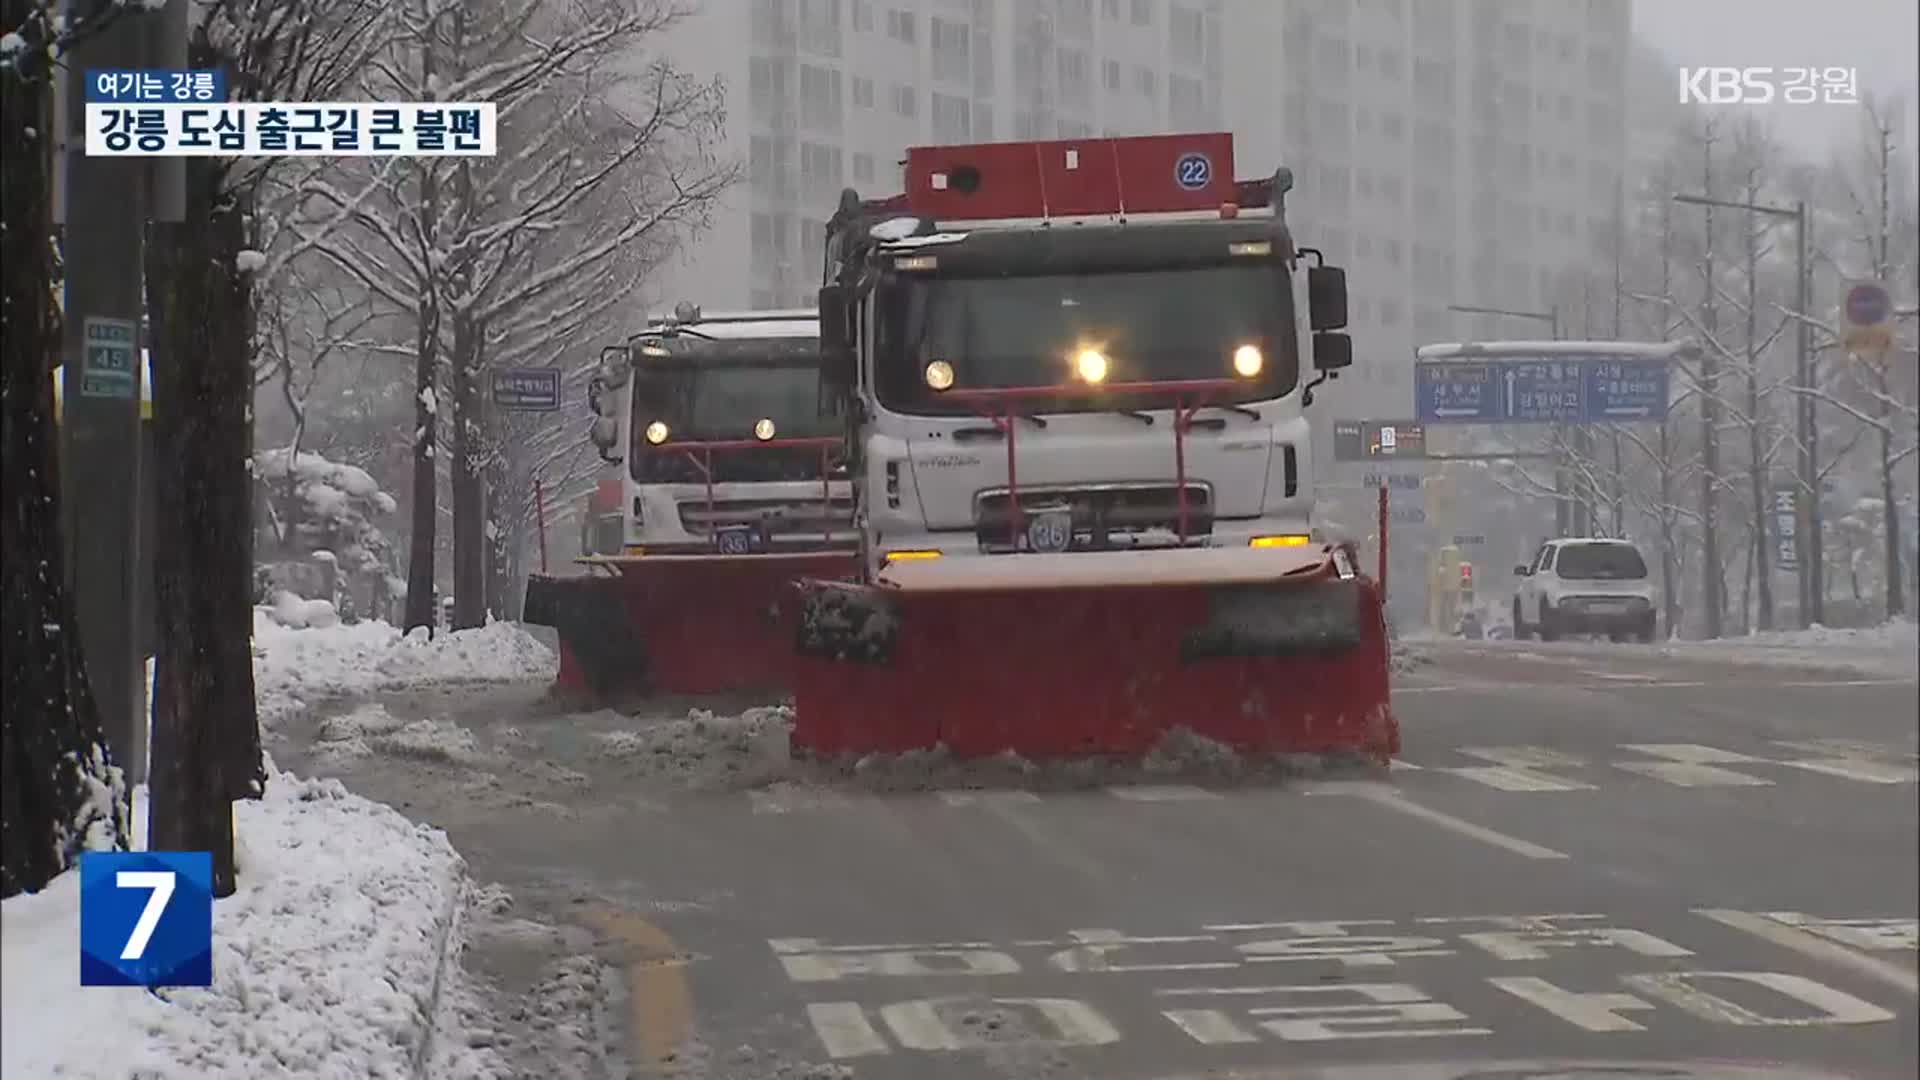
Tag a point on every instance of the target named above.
point(1809, 519)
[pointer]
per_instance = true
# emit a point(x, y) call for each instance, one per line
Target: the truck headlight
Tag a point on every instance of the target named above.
point(763, 429)
point(940, 375)
point(657, 433)
point(1247, 360)
point(1091, 364)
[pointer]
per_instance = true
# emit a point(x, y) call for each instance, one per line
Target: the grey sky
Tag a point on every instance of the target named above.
point(1876, 37)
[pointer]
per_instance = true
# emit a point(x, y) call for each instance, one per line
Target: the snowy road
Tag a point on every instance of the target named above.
point(1589, 852)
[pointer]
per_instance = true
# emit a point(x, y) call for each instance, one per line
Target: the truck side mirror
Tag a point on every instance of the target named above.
point(1327, 297)
point(1332, 352)
point(836, 339)
point(1523, 571)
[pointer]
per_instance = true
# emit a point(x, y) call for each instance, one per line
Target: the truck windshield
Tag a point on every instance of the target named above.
point(717, 401)
point(1600, 562)
point(1152, 326)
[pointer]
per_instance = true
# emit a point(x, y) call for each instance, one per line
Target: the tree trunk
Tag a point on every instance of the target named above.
point(1756, 435)
point(1713, 581)
point(1896, 587)
point(470, 545)
point(201, 306)
point(59, 790)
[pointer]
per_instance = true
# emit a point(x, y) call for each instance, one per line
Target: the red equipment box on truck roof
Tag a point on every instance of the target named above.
point(1071, 177)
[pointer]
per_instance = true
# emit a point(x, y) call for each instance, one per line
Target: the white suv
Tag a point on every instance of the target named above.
point(1584, 585)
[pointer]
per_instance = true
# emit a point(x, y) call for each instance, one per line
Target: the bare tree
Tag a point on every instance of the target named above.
point(61, 791)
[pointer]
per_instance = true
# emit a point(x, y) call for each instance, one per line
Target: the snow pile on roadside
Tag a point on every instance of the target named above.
point(339, 660)
point(705, 750)
point(324, 961)
point(1891, 649)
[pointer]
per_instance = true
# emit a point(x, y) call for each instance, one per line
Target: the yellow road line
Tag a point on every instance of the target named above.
point(658, 993)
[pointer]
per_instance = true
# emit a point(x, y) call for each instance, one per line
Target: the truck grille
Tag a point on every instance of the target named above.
point(670, 465)
point(1105, 516)
point(799, 520)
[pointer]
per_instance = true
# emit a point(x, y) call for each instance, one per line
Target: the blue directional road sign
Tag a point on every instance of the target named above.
point(1626, 389)
point(1542, 392)
point(1447, 392)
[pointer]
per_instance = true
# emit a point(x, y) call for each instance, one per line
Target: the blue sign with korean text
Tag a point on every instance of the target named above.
point(155, 87)
point(1449, 392)
point(1626, 389)
point(146, 918)
point(1572, 390)
point(527, 389)
point(1543, 392)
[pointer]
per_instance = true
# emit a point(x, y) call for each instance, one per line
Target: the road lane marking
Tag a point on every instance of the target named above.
point(1384, 1005)
point(1592, 1012)
point(1386, 797)
point(1677, 987)
point(1800, 941)
point(920, 1025)
point(1210, 1027)
point(792, 798)
point(844, 1029)
point(989, 795)
point(1871, 935)
point(661, 1013)
point(1162, 792)
point(1693, 765)
point(1859, 770)
point(1520, 768)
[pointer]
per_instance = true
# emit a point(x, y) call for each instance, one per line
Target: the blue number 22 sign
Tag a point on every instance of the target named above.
point(1193, 171)
point(146, 918)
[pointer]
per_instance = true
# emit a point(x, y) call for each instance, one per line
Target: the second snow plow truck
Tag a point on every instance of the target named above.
point(1081, 468)
point(732, 484)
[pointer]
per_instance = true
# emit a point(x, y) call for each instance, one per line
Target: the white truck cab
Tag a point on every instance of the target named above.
point(1585, 585)
point(717, 419)
point(1130, 376)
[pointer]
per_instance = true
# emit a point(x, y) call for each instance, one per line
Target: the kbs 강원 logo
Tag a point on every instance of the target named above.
point(1765, 85)
point(146, 918)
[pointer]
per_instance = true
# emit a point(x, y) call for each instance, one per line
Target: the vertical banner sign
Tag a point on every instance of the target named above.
point(1786, 524)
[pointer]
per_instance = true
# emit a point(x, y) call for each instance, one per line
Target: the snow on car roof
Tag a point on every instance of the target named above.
point(772, 328)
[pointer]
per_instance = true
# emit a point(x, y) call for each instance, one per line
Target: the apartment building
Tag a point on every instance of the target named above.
point(827, 94)
point(1447, 152)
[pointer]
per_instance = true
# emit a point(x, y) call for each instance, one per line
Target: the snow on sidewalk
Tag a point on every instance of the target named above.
point(293, 667)
point(326, 961)
point(1891, 650)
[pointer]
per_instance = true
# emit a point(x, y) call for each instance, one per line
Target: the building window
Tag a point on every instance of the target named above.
point(1076, 78)
point(982, 62)
point(900, 25)
point(952, 117)
point(1076, 19)
point(863, 15)
point(1111, 69)
point(819, 98)
point(1186, 103)
point(904, 101)
point(1335, 61)
point(1363, 186)
point(820, 174)
point(862, 168)
point(1187, 29)
point(1362, 243)
point(1389, 312)
point(983, 122)
point(1391, 249)
point(1143, 12)
point(950, 50)
point(1390, 189)
point(1110, 8)
point(1144, 81)
point(862, 93)
point(1390, 65)
point(1393, 126)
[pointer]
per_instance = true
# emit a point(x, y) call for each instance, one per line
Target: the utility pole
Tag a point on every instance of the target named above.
point(1619, 494)
point(101, 204)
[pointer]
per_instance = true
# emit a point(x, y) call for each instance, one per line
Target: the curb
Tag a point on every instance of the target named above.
point(450, 924)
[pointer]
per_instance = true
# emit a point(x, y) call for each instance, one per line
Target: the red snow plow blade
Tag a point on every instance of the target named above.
point(676, 624)
point(698, 622)
point(1269, 651)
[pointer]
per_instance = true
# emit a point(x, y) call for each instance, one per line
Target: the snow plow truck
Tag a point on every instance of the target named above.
point(1073, 372)
point(732, 485)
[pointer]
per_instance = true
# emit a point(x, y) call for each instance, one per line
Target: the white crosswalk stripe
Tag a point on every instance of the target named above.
point(1161, 793)
point(1692, 765)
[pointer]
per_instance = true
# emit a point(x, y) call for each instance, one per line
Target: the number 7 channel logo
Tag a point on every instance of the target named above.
point(146, 918)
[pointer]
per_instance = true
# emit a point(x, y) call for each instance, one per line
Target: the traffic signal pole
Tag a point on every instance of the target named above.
point(102, 206)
